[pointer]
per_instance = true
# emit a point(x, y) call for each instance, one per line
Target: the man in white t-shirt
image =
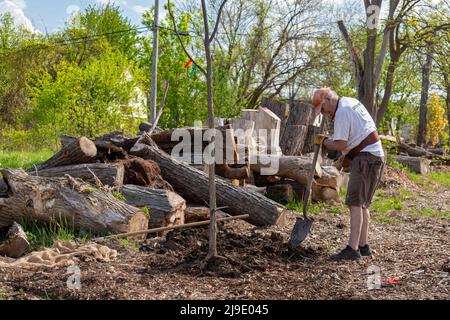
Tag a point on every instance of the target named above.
point(355, 135)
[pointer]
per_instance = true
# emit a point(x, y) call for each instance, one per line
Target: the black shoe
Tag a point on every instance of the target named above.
point(346, 254)
point(365, 251)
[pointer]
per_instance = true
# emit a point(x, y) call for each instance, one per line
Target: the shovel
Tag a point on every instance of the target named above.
point(303, 225)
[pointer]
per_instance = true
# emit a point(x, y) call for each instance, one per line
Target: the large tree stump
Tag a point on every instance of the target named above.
point(293, 140)
point(308, 145)
point(192, 184)
point(109, 174)
point(301, 114)
point(417, 164)
point(79, 151)
point(166, 208)
point(16, 244)
point(69, 201)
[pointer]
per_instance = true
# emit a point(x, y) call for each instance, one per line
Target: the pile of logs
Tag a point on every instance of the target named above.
point(417, 159)
point(120, 183)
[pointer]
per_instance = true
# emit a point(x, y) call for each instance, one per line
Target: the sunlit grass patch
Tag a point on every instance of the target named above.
point(25, 160)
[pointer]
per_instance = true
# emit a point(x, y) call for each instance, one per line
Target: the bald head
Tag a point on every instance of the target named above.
point(319, 95)
point(324, 100)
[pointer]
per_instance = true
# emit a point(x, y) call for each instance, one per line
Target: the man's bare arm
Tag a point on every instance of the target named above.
point(338, 145)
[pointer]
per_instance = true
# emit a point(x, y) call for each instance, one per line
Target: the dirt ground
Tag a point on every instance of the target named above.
point(413, 256)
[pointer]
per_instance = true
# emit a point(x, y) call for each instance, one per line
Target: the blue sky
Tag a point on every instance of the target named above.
point(49, 15)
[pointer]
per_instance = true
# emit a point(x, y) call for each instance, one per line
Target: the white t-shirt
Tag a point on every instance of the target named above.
point(353, 124)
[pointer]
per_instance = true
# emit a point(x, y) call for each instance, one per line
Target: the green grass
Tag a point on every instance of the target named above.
point(297, 205)
point(118, 196)
point(43, 235)
point(427, 212)
point(384, 218)
point(128, 244)
point(384, 205)
point(442, 178)
point(26, 160)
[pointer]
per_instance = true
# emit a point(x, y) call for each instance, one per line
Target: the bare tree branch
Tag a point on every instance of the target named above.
point(181, 40)
point(216, 27)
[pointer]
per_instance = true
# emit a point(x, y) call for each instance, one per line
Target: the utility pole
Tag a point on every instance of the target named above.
point(152, 114)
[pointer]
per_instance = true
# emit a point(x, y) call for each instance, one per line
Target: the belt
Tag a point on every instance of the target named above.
point(370, 139)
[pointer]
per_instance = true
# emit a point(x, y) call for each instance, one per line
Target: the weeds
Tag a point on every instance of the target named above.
point(25, 160)
point(297, 205)
point(42, 235)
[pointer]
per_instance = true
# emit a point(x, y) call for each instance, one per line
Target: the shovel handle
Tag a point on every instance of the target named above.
point(311, 174)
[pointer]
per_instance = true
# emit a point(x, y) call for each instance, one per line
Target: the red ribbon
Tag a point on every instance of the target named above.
point(188, 63)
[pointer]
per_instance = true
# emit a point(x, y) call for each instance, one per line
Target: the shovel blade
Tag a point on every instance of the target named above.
point(300, 231)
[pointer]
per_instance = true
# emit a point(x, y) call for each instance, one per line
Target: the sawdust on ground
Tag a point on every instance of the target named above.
point(413, 256)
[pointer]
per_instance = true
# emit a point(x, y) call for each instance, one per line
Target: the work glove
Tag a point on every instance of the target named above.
point(319, 139)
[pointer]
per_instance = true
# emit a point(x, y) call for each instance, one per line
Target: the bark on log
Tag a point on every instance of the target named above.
point(293, 140)
point(16, 244)
point(194, 213)
point(166, 208)
point(3, 188)
point(281, 193)
point(300, 114)
point(415, 151)
point(144, 173)
point(308, 145)
point(295, 168)
point(68, 201)
point(79, 151)
point(192, 184)
point(417, 164)
point(228, 172)
point(109, 174)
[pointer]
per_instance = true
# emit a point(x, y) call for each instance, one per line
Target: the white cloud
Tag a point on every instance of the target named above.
point(140, 9)
point(15, 7)
point(72, 9)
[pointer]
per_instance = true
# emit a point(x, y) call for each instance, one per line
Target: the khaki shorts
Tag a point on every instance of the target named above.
point(365, 174)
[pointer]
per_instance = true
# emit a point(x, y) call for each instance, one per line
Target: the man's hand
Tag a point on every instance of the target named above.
point(319, 139)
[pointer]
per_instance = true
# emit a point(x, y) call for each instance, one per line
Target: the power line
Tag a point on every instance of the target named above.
point(96, 37)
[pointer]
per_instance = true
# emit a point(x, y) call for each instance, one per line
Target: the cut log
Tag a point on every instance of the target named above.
point(417, 164)
point(144, 173)
point(280, 109)
point(293, 140)
point(295, 168)
point(16, 244)
point(147, 126)
point(300, 114)
point(3, 188)
point(69, 201)
point(166, 208)
point(324, 194)
point(266, 131)
point(228, 172)
point(331, 178)
point(195, 213)
point(192, 184)
point(118, 139)
point(415, 151)
point(308, 145)
point(79, 151)
point(281, 193)
point(109, 174)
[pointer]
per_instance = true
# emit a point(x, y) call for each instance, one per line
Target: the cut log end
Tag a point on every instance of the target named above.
point(137, 223)
point(88, 147)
